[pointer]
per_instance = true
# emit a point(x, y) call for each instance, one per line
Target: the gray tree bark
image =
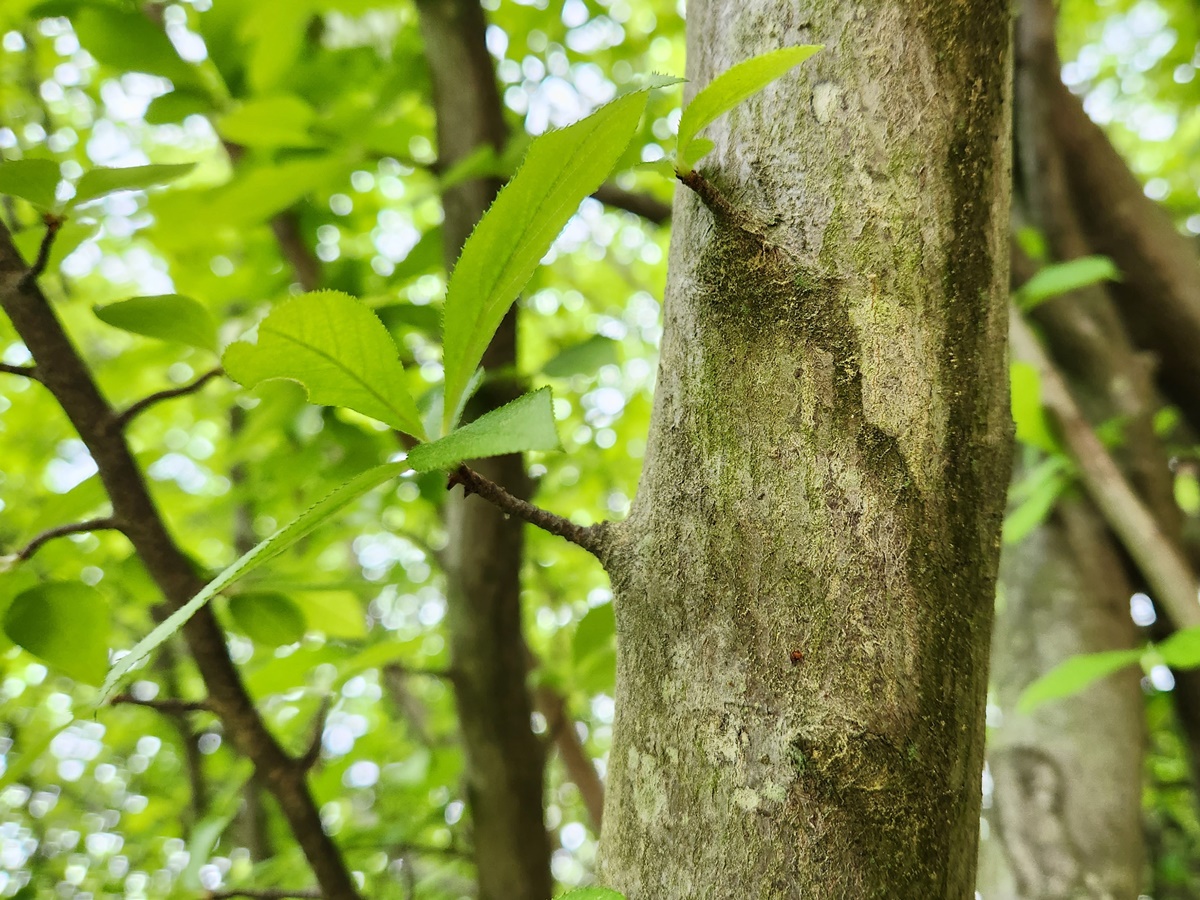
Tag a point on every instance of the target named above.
point(804, 589)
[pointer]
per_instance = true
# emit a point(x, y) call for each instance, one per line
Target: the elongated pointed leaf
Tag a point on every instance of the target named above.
point(30, 179)
point(1182, 649)
point(169, 317)
point(265, 551)
point(729, 89)
point(1062, 278)
point(64, 623)
point(525, 424)
point(560, 169)
point(338, 349)
point(1074, 674)
point(96, 183)
point(592, 893)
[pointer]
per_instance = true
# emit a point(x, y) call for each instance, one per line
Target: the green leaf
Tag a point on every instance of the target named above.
point(280, 121)
point(96, 183)
point(596, 631)
point(585, 358)
point(169, 109)
point(31, 179)
point(338, 614)
point(266, 550)
point(1074, 674)
point(1033, 428)
point(130, 42)
point(168, 317)
point(28, 754)
point(338, 349)
point(1035, 495)
point(561, 169)
point(592, 893)
point(268, 617)
point(729, 89)
point(526, 423)
point(64, 623)
point(1182, 649)
point(1062, 278)
point(1187, 492)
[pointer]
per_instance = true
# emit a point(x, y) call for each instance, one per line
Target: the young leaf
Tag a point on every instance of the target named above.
point(168, 317)
point(1062, 278)
point(592, 893)
point(1182, 649)
point(1041, 489)
point(729, 89)
point(279, 121)
point(338, 349)
point(64, 623)
point(96, 183)
point(1074, 674)
point(526, 423)
point(1033, 428)
point(268, 617)
point(560, 169)
point(281, 540)
point(31, 179)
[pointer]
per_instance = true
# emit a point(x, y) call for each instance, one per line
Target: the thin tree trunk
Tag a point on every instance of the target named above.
point(504, 758)
point(804, 589)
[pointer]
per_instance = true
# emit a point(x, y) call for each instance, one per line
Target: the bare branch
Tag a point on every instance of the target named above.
point(53, 224)
point(25, 371)
point(312, 753)
point(590, 538)
point(649, 208)
point(1167, 572)
point(708, 194)
point(136, 409)
point(168, 706)
point(106, 524)
point(580, 767)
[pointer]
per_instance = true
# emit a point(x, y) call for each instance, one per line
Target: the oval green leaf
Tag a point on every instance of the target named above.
point(1062, 278)
point(268, 617)
point(526, 423)
point(726, 91)
point(34, 180)
point(168, 317)
point(561, 169)
point(266, 550)
point(1074, 674)
point(97, 183)
point(64, 623)
point(337, 348)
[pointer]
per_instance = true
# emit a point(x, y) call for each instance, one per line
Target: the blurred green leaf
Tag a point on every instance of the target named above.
point(1035, 496)
point(725, 92)
point(130, 42)
point(526, 423)
point(168, 317)
point(64, 623)
point(1062, 278)
point(560, 169)
point(1033, 427)
point(1181, 650)
point(592, 893)
point(268, 617)
point(96, 183)
point(1073, 675)
point(585, 358)
point(338, 349)
point(282, 120)
point(31, 179)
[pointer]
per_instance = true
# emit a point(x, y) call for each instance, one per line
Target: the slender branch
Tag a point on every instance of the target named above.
point(312, 753)
point(106, 524)
point(168, 706)
point(649, 208)
point(579, 765)
point(1166, 571)
point(708, 194)
point(53, 224)
point(25, 371)
point(136, 409)
point(590, 538)
point(264, 894)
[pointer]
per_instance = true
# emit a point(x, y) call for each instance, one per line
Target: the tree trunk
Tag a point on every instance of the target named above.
point(504, 758)
point(804, 589)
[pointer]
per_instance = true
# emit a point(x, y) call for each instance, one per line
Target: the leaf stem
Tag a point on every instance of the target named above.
point(107, 523)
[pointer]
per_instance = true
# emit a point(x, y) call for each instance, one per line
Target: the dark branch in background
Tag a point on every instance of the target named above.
point(305, 265)
point(580, 768)
point(591, 538)
point(136, 409)
point(649, 208)
point(24, 371)
point(168, 706)
point(106, 524)
point(53, 224)
point(68, 378)
point(312, 753)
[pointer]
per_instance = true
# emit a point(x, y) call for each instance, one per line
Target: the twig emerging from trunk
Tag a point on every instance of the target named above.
point(106, 524)
point(24, 371)
point(170, 706)
point(136, 409)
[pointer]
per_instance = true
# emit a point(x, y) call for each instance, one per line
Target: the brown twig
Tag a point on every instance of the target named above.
point(53, 224)
point(312, 753)
point(649, 208)
point(170, 706)
point(579, 765)
point(708, 194)
point(106, 524)
point(136, 409)
point(590, 538)
point(24, 371)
